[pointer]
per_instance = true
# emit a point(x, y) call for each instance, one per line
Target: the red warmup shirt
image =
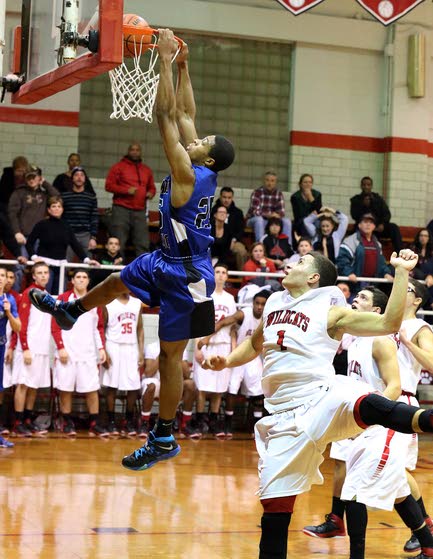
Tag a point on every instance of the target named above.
point(252, 266)
point(126, 174)
point(370, 260)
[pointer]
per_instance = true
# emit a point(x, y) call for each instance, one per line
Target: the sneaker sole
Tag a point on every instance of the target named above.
point(167, 456)
point(323, 536)
point(195, 436)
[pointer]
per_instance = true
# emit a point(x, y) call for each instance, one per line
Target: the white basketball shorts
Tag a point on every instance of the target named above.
point(212, 381)
point(123, 373)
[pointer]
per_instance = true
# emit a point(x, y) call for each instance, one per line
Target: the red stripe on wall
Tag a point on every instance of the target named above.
point(361, 143)
point(36, 116)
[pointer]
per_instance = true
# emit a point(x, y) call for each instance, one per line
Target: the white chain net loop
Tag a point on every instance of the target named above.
point(134, 89)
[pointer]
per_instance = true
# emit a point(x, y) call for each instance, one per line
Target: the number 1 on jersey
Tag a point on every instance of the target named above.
point(280, 340)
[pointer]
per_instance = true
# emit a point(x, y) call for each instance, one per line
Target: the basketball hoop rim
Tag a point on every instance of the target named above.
point(146, 31)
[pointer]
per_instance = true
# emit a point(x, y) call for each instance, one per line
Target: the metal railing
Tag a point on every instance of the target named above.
point(232, 273)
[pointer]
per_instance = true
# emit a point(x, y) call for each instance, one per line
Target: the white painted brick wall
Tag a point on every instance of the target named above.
point(46, 146)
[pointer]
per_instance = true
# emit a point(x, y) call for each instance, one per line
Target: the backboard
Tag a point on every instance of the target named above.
point(52, 45)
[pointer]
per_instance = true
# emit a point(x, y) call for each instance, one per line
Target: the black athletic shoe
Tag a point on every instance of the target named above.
point(412, 545)
point(58, 309)
point(155, 450)
point(96, 430)
point(333, 527)
point(216, 428)
point(129, 429)
point(193, 429)
point(112, 429)
point(35, 430)
point(20, 429)
point(4, 430)
point(143, 431)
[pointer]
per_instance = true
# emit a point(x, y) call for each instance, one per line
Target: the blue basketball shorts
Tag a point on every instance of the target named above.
point(181, 287)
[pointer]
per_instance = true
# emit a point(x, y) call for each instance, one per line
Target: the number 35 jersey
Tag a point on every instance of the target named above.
point(122, 321)
point(186, 231)
point(298, 351)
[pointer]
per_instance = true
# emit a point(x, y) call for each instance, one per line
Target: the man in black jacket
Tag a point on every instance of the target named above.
point(371, 202)
point(236, 222)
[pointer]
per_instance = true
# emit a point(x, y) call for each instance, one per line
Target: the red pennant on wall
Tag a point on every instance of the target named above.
point(299, 6)
point(387, 11)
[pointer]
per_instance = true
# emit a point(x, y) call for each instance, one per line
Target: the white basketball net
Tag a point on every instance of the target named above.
point(134, 89)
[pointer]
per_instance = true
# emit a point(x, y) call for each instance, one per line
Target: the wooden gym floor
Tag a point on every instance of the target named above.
point(71, 499)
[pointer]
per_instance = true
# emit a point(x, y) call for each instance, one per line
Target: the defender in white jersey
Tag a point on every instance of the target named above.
point(78, 352)
point(212, 382)
point(415, 353)
point(310, 406)
point(124, 344)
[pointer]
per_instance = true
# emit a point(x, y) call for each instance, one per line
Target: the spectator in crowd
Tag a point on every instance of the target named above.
point(327, 230)
point(12, 178)
point(132, 185)
point(31, 366)
point(371, 202)
point(344, 287)
point(266, 202)
point(63, 182)
point(124, 343)
point(259, 263)
point(277, 245)
point(304, 247)
point(28, 204)
point(50, 239)
point(361, 253)
point(423, 246)
point(81, 212)
point(235, 220)
point(79, 351)
point(223, 237)
point(150, 385)
point(304, 201)
point(110, 257)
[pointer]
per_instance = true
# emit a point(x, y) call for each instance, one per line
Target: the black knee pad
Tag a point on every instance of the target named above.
point(377, 410)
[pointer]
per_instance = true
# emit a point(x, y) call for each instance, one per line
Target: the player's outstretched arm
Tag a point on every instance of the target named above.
point(342, 320)
point(248, 350)
point(179, 161)
point(185, 102)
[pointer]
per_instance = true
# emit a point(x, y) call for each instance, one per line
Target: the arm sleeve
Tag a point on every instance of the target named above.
point(14, 310)
point(344, 261)
point(94, 219)
point(255, 207)
point(342, 226)
point(112, 181)
point(13, 341)
point(317, 203)
point(296, 208)
point(310, 224)
point(101, 329)
point(281, 207)
point(14, 211)
point(32, 238)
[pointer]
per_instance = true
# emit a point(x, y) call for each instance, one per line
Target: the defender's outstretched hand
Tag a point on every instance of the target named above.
point(215, 363)
point(406, 259)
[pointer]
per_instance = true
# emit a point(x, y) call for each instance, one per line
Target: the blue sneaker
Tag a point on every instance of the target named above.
point(58, 309)
point(155, 450)
point(5, 444)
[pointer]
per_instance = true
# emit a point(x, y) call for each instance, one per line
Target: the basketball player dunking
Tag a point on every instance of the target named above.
point(310, 406)
point(178, 277)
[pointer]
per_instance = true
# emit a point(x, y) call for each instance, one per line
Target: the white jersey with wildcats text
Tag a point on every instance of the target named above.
point(122, 321)
point(410, 369)
point(298, 351)
point(224, 306)
point(361, 365)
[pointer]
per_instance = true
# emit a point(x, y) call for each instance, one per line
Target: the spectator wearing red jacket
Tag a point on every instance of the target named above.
point(132, 184)
point(259, 263)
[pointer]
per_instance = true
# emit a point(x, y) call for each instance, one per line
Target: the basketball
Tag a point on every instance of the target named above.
point(132, 42)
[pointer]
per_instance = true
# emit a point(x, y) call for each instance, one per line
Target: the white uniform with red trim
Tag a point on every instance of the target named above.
point(122, 345)
point(410, 374)
point(375, 467)
point(151, 351)
point(247, 377)
point(35, 335)
point(82, 342)
point(310, 405)
point(220, 344)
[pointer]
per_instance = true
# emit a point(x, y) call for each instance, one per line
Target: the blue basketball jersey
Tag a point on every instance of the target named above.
point(185, 231)
point(3, 318)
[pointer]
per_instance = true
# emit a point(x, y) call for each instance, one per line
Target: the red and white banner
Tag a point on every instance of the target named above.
point(299, 6)
point(388, 11)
